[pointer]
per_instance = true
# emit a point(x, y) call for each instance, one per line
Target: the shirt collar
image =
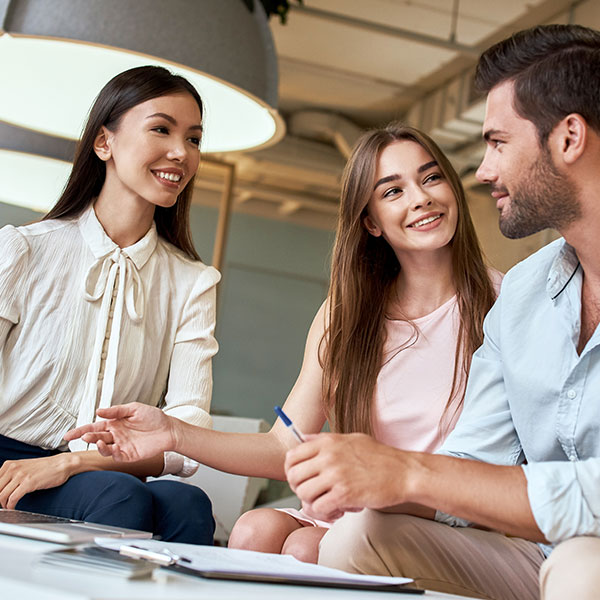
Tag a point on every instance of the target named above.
point(563, 269)
point(101, 245)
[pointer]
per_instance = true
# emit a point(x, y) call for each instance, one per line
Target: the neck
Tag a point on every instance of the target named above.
point(582, 235)
point(125, 219)
point(424, 283)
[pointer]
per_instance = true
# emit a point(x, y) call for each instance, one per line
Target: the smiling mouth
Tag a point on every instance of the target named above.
point(425, 221)
point(171, 177)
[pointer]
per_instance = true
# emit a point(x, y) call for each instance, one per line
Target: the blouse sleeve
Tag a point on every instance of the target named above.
point(14, 260)
point(189, 387)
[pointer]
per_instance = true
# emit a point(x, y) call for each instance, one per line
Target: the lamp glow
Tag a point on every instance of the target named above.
point(31, 181)
point(234, 120)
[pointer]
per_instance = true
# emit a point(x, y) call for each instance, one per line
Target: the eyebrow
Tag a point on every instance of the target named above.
point(491, 133)
point(171, 120)
point(395, 176)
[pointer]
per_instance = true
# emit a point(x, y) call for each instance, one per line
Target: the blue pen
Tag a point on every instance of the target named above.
point(288, 423)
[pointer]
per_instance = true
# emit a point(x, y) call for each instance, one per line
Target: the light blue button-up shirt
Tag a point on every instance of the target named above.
point(531, 400)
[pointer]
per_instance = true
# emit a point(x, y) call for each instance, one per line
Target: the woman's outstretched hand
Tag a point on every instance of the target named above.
point(131, 432)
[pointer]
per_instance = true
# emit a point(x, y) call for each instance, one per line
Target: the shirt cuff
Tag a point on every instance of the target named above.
point(557, 499)
point(179, 465)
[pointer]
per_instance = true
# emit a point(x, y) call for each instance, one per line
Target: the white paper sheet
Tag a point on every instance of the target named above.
point(214, 558)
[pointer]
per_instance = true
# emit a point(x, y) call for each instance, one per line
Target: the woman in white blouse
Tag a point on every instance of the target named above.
point(103, 302)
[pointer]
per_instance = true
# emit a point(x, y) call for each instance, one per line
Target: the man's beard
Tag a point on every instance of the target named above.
point(543, 199)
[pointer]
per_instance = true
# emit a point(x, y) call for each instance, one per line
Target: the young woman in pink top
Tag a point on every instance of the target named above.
point(388, 352)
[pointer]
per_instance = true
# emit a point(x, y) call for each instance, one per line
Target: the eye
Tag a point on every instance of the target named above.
point(433, 178)
point(195, 141)
point(393, 191)
point(161, 129)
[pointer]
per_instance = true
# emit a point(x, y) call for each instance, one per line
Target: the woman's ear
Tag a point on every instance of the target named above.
point(102, 144)
point(371, 226)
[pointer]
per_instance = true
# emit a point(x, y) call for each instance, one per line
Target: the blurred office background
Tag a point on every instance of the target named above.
point(344, 66)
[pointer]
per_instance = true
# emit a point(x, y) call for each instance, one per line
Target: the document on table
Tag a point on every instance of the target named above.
point(244, 562)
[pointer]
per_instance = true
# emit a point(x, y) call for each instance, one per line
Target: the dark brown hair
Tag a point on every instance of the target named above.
point(121, 93)
point(555, 70)
point(364, 269)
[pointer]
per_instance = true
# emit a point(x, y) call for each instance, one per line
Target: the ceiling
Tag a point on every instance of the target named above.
point(347, 65)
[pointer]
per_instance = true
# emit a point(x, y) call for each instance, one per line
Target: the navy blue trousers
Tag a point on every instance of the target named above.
point(175, 511)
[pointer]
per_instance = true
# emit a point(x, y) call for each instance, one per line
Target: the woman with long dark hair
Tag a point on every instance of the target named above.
point(105, 301)
point(387, 354)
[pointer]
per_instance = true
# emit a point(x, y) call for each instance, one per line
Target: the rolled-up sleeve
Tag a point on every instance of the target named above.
point(564, 497)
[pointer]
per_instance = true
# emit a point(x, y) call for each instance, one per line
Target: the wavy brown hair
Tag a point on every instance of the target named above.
point(121, 93)
point(364, 269)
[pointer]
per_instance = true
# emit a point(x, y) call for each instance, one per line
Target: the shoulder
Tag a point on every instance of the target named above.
point(532, 272)
point(34, 234)
point(13, 243)
point(200, 277)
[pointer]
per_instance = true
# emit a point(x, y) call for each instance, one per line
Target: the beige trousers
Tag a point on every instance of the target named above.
point(455, 560)
point(572, 571)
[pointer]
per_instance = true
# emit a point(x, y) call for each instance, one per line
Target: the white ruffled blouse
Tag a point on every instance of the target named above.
point(86, 324)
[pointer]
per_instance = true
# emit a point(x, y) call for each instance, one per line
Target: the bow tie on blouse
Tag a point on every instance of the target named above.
point(114, 281)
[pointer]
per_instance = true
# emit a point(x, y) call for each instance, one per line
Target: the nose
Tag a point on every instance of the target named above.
point(420, 199)
point(177, 150)
point(486, 173)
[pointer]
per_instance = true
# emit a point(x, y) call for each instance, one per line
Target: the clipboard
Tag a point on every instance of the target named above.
point(170, 560)
point(243, 565)
point(403, 588)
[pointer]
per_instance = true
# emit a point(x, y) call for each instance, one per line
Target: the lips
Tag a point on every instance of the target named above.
point(425, 220)
point(169, 177)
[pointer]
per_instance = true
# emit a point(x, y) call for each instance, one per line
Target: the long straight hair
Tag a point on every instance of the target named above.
point(120, 94)
point(364, 269)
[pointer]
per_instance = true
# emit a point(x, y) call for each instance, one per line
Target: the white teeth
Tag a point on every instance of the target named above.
point(426, 221)
point(168, 176)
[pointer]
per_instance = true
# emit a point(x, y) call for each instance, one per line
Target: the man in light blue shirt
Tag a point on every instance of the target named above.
point(524, 459)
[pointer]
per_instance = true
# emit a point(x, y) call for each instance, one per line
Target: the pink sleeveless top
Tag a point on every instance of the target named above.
point(414, 383)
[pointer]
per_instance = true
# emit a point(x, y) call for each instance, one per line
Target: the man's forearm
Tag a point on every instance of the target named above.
point(489, 495)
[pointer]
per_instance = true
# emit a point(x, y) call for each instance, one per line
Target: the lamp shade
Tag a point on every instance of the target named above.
point(56, 55)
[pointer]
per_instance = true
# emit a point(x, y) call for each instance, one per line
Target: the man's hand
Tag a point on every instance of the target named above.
point(335, 473)
point(20, 477)
point(131, 432)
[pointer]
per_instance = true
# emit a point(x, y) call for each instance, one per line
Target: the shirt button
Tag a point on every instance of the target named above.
point(572, 458)
point(100, 376)
point(571, 394)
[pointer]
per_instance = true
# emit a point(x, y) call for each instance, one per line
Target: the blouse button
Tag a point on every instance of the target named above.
point(571, 394)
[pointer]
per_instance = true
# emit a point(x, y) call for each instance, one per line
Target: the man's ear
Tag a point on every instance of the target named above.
point(102, 144)
point(569, 138)
point(371, 226)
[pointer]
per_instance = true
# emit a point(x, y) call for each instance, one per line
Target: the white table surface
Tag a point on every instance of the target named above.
point(21, 580)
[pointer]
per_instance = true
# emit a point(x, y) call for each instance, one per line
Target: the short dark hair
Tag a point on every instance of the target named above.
point(555, 70)
point(121, 93)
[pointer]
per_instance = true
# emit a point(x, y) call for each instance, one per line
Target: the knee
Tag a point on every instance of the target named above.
point(260, 530)
point(572, 569)
point(121, 489)
point(302, 544)
point(115, 498)
point(181, 497)
point(182, 512)
point(357, 541)
point(343, 541)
